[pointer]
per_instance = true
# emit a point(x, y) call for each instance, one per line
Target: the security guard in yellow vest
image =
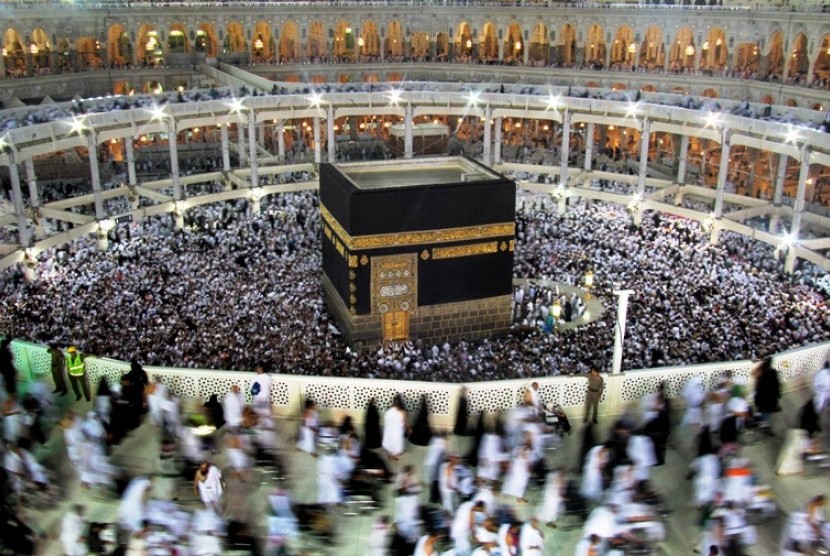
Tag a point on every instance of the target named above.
point(76, 369)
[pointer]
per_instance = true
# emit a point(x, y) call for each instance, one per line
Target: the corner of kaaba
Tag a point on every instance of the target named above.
point(417, 249)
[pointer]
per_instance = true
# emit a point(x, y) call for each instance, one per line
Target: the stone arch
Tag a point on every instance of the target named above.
point(539, 45)
point(344, 41)
point(419, 45)
point(710, 93)
point(122, 88)
point(817, 106)
point(369, 41)
point(592, 85)
point(15, 53)
point(618, 87)
point(234, 42)
point(775, 55)
point(464, 40)
point(791, 102)
point(653, 48)
point(822, 64)
point(64, 58)
point(262, 41)
point(514, 43)
point(648, 89)
point(40, 48)
point(799, 60)
point(89, 52)
point(714, 52)
point(747, 58)
point(567, 45)
point(148, 46)
point(489, 48)
point(767, 99)
point(595, 46)
point(13, 43)
point(683, 49)
point(177, 40)
point(394, 41)
point(119, 45)
point(317, 44)
point(290, 42)
point(206, 40)
point(152, 87)
point(624, 48)
point(442, 46)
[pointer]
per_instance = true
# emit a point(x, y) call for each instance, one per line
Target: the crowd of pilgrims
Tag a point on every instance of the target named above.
point(232, 289)
point(467, 503)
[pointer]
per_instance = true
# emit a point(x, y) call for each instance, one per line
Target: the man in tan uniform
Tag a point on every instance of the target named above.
point(594, 393)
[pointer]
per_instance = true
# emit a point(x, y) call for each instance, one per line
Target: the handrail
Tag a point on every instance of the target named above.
point(339, 395)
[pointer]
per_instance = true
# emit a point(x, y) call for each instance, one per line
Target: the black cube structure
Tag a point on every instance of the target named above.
point(417, 249)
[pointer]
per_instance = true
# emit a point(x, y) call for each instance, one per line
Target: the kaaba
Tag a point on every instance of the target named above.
point(417, 249)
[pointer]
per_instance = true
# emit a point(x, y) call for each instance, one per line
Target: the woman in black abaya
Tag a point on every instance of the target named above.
point(462, 416)
point(371, 427)
point(421, 432)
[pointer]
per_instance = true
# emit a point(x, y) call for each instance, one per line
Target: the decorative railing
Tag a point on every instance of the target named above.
point(340, 396)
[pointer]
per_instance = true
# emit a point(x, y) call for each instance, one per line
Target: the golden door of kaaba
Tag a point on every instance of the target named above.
point(395, 293)
point(395, 326)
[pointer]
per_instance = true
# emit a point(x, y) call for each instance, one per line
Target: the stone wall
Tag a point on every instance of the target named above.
point(466, 320)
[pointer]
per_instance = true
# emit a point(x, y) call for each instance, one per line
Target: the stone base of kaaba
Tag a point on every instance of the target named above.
point(464, 320)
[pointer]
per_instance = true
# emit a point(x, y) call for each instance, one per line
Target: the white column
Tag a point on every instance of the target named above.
point(681, 166)
point(17, 202)
point(316, 129)
point(645, 135)
point(34, 198)
point(31, 178)
point(564, 152)
point(488, 136)
point(619, 330)
point(226, 148)
point(252, 144)
point(174, 161)
point(644, 141)
point(497, 144)
point(331, 140)
point(128, 148)
point(407, 131)
point(95, 175)
point(723, 171)
point(779, 192)
point(798, 209)
point(589, 146)
point(240, 132)
point(281, 140)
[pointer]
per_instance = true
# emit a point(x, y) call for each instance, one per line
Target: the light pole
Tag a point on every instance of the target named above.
point(619, 330)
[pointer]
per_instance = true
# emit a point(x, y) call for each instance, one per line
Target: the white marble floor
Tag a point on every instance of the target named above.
point(138, 454)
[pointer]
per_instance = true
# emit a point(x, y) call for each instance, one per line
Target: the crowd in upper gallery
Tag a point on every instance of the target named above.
point(43, 114)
